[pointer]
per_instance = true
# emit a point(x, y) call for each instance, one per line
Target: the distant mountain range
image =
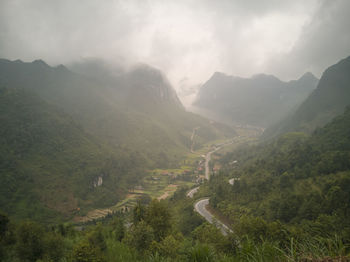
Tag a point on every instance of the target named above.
point(328, 100)
point(261, 100)
point(65, 132)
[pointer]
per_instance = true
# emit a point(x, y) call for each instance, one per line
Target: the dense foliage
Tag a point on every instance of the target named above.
point(296, 185)
point(161, 232)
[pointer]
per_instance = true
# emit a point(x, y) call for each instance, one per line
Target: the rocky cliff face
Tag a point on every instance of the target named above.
point(146, 86)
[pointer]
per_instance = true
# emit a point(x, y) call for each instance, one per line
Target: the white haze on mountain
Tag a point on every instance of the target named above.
point(187, 39)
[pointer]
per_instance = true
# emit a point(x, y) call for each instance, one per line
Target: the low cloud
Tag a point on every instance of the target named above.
point(187, 39)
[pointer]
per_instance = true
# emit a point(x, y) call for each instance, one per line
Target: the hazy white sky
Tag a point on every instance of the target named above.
point(187, 39)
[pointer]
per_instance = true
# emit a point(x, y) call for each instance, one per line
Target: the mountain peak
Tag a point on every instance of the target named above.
point(145, 81)
point(148, 73)
point(62, 68)
point(218, 77)
point(40, 63)
point(218, 74)
point(266, 78)
point(308, 76)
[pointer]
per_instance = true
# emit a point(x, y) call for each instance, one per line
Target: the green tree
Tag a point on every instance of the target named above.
point(85, 252)
point(209, 234)
point(336, 198)
point(30, 241)
point(4, 222)
point(118, 228)
point(54, 246)
point(169, 247)
point(140, 236)
point(96, 238)
point(159, 218)
point(201, 253)
point(139, 212)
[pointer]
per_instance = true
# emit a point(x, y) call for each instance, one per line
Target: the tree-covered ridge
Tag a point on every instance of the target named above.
point(301, 181)
point(50, 166)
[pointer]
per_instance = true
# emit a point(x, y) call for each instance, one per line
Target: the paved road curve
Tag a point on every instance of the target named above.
point(200, 207)
point(192, 192)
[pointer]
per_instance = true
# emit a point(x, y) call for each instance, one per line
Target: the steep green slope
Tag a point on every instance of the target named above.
point(50, 167)
point(137, 109)
point(328, 100)
point(298, 180)
point(260, 100)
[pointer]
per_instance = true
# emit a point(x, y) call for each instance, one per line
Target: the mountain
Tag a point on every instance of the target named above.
point(148, 87)
point(328, 100)
point(137, 109)
point(140, 85)
point(72, 142)
point(260, 100)
point(50, 168)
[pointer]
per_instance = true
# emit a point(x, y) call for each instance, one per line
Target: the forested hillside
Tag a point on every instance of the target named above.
point(300, 181)
point(50, 167)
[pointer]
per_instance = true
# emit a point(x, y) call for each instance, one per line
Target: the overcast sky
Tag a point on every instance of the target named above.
point(187, 39)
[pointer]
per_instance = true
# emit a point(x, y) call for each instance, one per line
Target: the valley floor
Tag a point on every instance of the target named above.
point(162, 183)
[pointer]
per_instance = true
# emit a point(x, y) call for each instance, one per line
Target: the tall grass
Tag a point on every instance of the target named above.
point(305, 250)
point(311, 249)
point(316, 249)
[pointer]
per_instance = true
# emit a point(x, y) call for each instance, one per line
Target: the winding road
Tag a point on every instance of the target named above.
point(192, 192)
point(200, 205)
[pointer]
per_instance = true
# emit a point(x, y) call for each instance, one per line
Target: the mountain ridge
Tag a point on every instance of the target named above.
point(114, 110)
point(328, 100)
point(260, 100)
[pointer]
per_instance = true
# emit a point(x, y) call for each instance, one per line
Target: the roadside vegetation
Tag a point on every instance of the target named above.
point(166, 230)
